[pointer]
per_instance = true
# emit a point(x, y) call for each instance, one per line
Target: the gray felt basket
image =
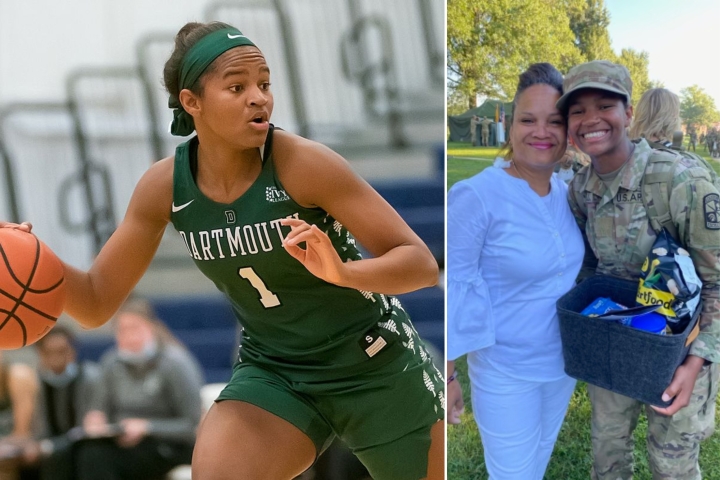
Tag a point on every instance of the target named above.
point(613, 356)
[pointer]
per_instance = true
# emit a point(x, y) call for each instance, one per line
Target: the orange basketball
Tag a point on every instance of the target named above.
point(32, 288)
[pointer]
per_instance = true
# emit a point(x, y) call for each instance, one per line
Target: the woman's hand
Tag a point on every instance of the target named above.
point(455, 404)
point(319, 255)
point(24, 226)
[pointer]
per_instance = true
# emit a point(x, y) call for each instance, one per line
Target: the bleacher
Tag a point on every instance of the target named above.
point(362, 76)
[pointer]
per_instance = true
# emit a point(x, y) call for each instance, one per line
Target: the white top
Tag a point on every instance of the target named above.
point(511, 255)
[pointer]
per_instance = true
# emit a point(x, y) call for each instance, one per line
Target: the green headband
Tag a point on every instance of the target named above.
point(194, 63)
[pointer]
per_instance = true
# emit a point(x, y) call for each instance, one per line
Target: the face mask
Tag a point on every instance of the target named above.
point(60, 380)
point(141, 357)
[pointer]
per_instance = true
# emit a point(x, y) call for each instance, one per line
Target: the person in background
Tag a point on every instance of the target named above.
point(693, 141)
point(485, 131)
point(474, 122)
point(65, 389)
point(18, 390)
point(147, 407)
point(513, 250)
point(656, 118)
point(571, 163)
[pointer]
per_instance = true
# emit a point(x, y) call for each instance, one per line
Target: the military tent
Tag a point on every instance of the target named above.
point(459, 125)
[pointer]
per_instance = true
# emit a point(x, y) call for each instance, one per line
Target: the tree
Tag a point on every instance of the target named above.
point(637, 64)
point(589, 21)
point(490, 42)
point(457, 103)
point(697, 107)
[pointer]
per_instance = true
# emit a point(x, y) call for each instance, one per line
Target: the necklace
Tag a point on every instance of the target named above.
point(518, 171)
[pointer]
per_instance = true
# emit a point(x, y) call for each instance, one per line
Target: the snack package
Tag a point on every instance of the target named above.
point(607, 309)
point(668, 279)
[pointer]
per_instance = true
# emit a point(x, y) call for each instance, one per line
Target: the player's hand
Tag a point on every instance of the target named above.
point(134, 430)
point(455, 403)
point(682, 385)
point(319, 255)
point(24, 226)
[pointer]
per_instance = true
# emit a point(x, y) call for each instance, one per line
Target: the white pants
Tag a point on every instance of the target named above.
point(519, 420)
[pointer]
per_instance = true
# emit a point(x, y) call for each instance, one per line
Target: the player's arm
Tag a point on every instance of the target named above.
point(95, 295)
point(315, 176)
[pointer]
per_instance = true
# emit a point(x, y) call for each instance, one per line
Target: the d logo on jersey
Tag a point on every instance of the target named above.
point(230, 217)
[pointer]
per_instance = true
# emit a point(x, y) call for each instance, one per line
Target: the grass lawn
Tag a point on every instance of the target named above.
point(465, 160)
point(571, 458)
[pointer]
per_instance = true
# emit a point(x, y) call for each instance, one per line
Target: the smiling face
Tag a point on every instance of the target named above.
point(597, 122)
point(236, 103)
point(538, 134)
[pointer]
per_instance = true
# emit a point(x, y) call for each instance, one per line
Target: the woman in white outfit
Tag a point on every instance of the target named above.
point(513, 250)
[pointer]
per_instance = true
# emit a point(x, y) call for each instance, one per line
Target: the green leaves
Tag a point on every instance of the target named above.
point(490, 42)
point(697, 107)
point(637, 63)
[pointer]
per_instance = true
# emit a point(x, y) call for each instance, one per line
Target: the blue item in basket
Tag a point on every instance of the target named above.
point(600, 306)
point(650, 322)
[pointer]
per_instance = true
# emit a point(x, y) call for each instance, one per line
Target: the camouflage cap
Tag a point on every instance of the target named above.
point(600, 74)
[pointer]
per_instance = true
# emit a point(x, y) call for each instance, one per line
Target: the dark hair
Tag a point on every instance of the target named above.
point(188, 36)
point(58, 330)
point(536, 74)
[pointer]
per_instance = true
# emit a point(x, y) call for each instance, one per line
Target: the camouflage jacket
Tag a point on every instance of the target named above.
point(615, 225)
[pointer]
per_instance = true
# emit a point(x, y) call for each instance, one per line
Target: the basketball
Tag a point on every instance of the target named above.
point(32, 289)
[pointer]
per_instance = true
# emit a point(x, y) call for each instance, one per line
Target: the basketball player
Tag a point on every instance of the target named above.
point(266, 215)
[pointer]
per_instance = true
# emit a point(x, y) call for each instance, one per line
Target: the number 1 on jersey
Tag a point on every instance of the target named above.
point(267, 298)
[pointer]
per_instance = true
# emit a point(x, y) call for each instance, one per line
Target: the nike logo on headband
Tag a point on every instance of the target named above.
point(232, 37)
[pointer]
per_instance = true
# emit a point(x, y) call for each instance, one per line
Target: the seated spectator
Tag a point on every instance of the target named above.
point(66, 388)
point(147, 407)
point(18, 388)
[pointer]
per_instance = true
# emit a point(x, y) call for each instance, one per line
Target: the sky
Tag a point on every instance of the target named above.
point(682, 39)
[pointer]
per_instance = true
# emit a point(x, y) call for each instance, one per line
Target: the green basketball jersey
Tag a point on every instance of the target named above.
point(291, 319)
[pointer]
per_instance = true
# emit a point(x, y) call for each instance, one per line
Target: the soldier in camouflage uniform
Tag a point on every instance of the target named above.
point(474, 122)
point(693, 140)
point(606, 199)
point(485, 130)
point(710, 142)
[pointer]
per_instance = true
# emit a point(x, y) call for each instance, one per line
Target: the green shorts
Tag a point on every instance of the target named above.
point(384, 416)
